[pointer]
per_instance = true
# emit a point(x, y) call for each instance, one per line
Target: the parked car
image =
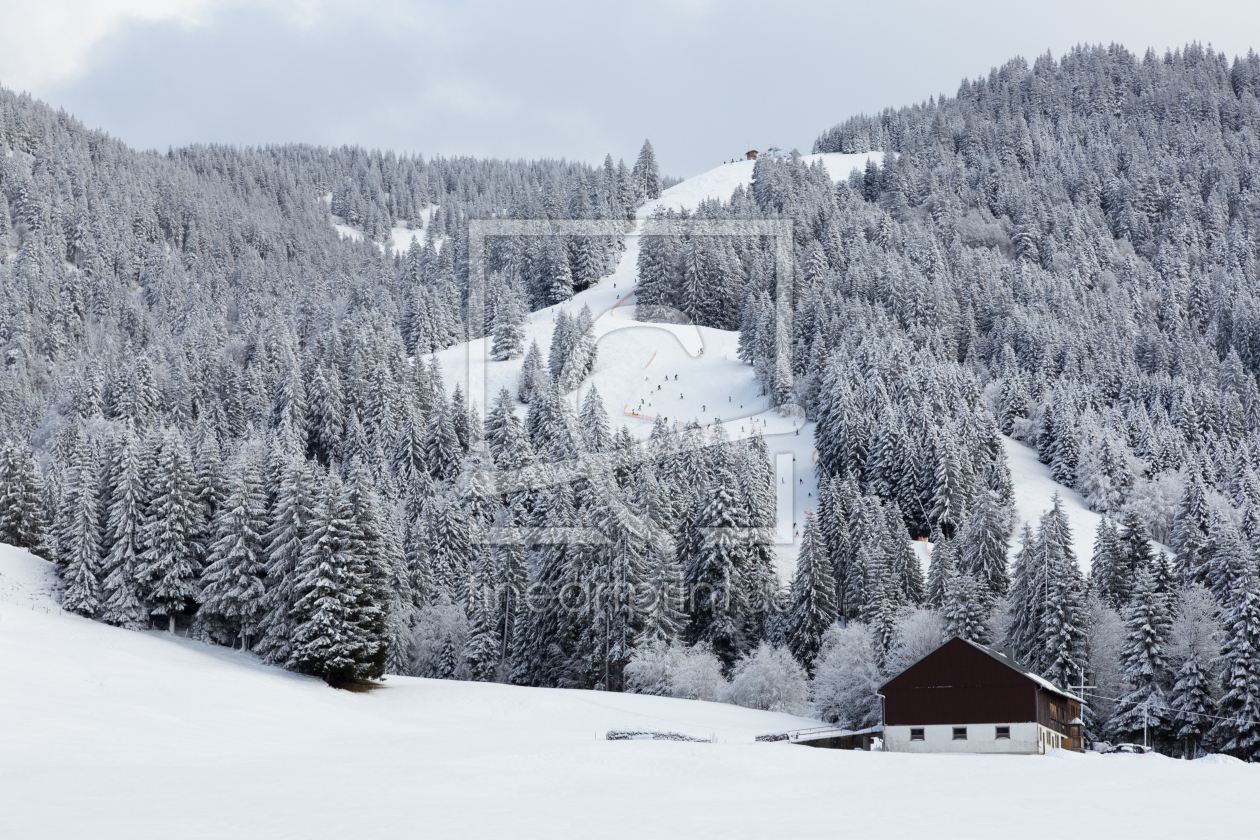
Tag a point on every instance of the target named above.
point(1128, 748)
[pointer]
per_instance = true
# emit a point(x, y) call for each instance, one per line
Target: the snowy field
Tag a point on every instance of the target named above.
point(108, 733)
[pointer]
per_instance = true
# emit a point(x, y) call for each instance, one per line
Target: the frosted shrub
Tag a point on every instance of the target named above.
point(918, 634)
point(769, 679)
point(698, 675)
point(675, 670)
point(648, 670)
point(847, 676)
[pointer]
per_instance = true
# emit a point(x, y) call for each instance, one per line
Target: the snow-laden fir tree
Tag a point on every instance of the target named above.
point(1064, 618)
point(594, 422)
point(646, 175)
point(813, 597)
point(21, 516)
point(1226, 560)
point(1111, 578)
point(714, 556)
point(337, 613)
point(1143, 711)
point(482, 652)
point(966, 609)
point(982, 544)
point(289, 527)
point(1238, 732)
point(509, 337)
point(532, 375)
point(170, 562)
point(232, 583)
point(1193, 649)
point(79, 553)
point(122, 603)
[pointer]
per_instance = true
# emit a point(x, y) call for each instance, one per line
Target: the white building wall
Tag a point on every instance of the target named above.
point(1026, 739)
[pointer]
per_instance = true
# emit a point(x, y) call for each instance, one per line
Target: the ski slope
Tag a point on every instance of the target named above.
point(646, 369)
point(637, 364)
point(108, 733)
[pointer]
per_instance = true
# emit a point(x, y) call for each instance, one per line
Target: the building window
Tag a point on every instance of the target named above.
point(1003, 732)
point(916, 734)
point(960, 733)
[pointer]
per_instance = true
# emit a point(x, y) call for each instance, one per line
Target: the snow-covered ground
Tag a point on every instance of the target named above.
point(107, 733)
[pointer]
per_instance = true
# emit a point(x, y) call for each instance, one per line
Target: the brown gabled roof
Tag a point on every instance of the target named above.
point(1001, 656)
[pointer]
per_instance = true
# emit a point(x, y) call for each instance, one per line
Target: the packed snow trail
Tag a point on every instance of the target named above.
point(109, 733)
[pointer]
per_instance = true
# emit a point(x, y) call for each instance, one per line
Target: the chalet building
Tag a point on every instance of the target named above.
point(751, 155)
point(964, 697)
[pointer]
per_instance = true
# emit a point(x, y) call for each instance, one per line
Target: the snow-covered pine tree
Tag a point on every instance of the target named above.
point(232, 583)
point(483, 650)
point(1143, 711)
point(1025, 633)
point(661, 607)
point(450, 550)
point(1110, 576)
point(288, 527)
point(1225, 560)
point(441, 445)
point(1191, 526)
point(713, 557)
point(813, 597)
point(548, 626)
point(511, 572)
point(122, 604)
point(646, 175)
point(594, 423)
point(170, 562)
point(79, 554)
point(1238, 733)
point(324, 641)
point(509, 337)
point(1193, 650)
point(21, 516)
point(949, 500)
point(532, 371)
point(882, 608)
point(338, 609)
point(1065, 625)
point(1135, 540)
point(966, 609)
point(905, 567)
point(982, 544)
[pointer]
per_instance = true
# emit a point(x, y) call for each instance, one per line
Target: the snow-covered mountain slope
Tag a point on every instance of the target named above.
point(638, 362)
point(108, 733)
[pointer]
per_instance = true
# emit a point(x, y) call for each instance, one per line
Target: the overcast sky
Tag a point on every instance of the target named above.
point(704, 79)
